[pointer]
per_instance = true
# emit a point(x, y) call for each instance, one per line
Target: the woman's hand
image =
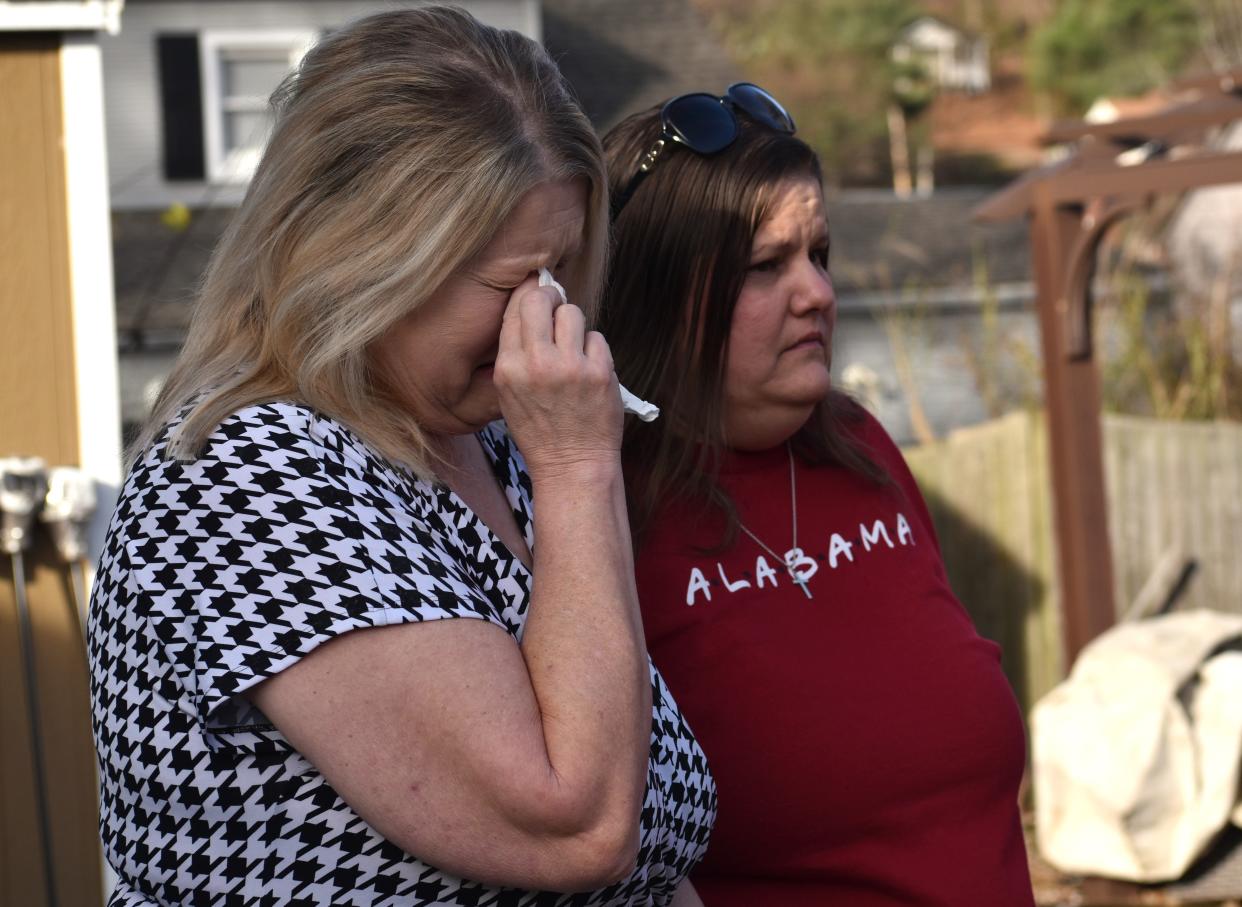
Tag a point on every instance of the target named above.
point(558, 391)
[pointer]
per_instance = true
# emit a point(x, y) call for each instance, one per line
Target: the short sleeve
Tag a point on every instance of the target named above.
point(274, 542)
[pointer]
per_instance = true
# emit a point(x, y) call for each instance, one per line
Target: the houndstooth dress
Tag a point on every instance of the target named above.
point(222, 572)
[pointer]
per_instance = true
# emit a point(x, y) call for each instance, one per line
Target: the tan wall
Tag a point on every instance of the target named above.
point(38, 417)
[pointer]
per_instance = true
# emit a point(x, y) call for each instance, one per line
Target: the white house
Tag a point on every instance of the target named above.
point(956, 59)
point(186, 88)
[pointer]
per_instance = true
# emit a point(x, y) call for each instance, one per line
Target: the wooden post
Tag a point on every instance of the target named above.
point(1072, 393)
point(1054, 198)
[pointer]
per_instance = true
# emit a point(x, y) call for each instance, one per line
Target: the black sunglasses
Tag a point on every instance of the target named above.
point(707, 124)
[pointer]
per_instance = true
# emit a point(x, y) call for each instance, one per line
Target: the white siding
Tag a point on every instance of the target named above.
point(131, 84)
point(90, 277)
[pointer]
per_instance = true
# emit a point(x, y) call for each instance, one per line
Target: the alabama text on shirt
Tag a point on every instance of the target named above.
point(802, 566)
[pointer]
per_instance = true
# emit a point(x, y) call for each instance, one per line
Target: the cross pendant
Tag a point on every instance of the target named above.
point(801, 582)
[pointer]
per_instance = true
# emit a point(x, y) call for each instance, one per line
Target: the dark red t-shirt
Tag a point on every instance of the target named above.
point(866, 747)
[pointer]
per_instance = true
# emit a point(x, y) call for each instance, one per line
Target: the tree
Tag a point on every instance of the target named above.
point(912, 91)
point(1220, 26)
point(1094, 48)
point(828, 62)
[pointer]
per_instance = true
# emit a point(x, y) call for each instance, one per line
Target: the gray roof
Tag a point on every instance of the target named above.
point(879, 245)
point(157, 270)
point(624, 57)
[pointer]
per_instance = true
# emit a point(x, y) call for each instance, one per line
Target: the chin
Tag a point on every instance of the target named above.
point(478, 409)
point(813, 389)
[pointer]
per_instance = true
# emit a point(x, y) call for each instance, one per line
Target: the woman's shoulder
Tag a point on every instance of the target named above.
point(273, 434)
point(279, 427)
point(869, 430)
point(262, 450)
point(870, 439)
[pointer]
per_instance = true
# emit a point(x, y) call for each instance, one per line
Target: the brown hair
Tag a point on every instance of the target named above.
point(400, 144)
point(681, 247)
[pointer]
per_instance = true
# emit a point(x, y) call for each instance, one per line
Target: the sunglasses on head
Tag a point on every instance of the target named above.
point(707, 124)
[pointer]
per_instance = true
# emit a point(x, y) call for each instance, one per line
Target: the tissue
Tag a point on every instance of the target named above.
point(633, 405)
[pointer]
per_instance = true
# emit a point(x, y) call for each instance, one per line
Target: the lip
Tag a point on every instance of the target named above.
point(807, 340)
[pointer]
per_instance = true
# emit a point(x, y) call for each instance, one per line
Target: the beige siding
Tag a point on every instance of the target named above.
point(38, 417)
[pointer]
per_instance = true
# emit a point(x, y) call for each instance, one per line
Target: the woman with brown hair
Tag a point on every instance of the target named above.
point(330, 664)
point(866, 745)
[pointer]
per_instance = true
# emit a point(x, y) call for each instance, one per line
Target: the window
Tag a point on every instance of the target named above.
point(240, 70)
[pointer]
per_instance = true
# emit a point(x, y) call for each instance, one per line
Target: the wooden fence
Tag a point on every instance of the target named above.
point(1172, 486)
point(1176, 486)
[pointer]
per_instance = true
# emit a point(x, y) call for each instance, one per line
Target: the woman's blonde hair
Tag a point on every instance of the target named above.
point(400, 144)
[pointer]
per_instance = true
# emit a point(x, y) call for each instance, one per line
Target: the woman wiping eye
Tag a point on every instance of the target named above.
point(635, 406)
point(324, 638)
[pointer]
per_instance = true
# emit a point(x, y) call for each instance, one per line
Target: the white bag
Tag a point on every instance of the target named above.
point(1137, 755)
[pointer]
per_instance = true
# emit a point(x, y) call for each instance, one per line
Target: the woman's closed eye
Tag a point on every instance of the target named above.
point(773, 263)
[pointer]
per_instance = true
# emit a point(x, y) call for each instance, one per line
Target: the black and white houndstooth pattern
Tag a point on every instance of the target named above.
point(219, 573)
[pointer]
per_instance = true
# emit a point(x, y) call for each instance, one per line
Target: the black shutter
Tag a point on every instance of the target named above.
point(181, 104)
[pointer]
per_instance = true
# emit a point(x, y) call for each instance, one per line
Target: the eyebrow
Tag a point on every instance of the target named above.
point(785, 246)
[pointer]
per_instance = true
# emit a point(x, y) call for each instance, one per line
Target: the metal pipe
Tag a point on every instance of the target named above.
point(68, 506)
point(23, 488)
point(26, 633)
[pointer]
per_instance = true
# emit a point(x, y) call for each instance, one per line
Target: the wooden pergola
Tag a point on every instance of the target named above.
point(1113, 170)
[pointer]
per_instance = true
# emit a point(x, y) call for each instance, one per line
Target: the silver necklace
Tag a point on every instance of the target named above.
point(795, 552)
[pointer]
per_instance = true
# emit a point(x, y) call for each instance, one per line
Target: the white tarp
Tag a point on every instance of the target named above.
point(1137, 755)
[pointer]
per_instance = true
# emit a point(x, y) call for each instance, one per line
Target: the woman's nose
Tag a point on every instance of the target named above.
point(814, 291)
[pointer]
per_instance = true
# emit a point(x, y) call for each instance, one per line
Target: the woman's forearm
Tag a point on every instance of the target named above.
point(583, 645)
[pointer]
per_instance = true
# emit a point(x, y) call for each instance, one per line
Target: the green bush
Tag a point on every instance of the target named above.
point(1095, 48)
point(828, 61)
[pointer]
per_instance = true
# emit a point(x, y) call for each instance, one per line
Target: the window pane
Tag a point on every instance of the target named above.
point(244, 129)
point(253, 73)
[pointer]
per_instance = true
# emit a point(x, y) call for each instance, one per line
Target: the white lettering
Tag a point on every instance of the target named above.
point(763, 572)
point(794, 558)
point(732, 587)
point(903, 530)
point(838, 546)
point(698, 583)
point(878, 531)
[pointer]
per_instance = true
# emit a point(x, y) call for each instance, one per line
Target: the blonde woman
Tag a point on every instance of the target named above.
point(284, 712)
